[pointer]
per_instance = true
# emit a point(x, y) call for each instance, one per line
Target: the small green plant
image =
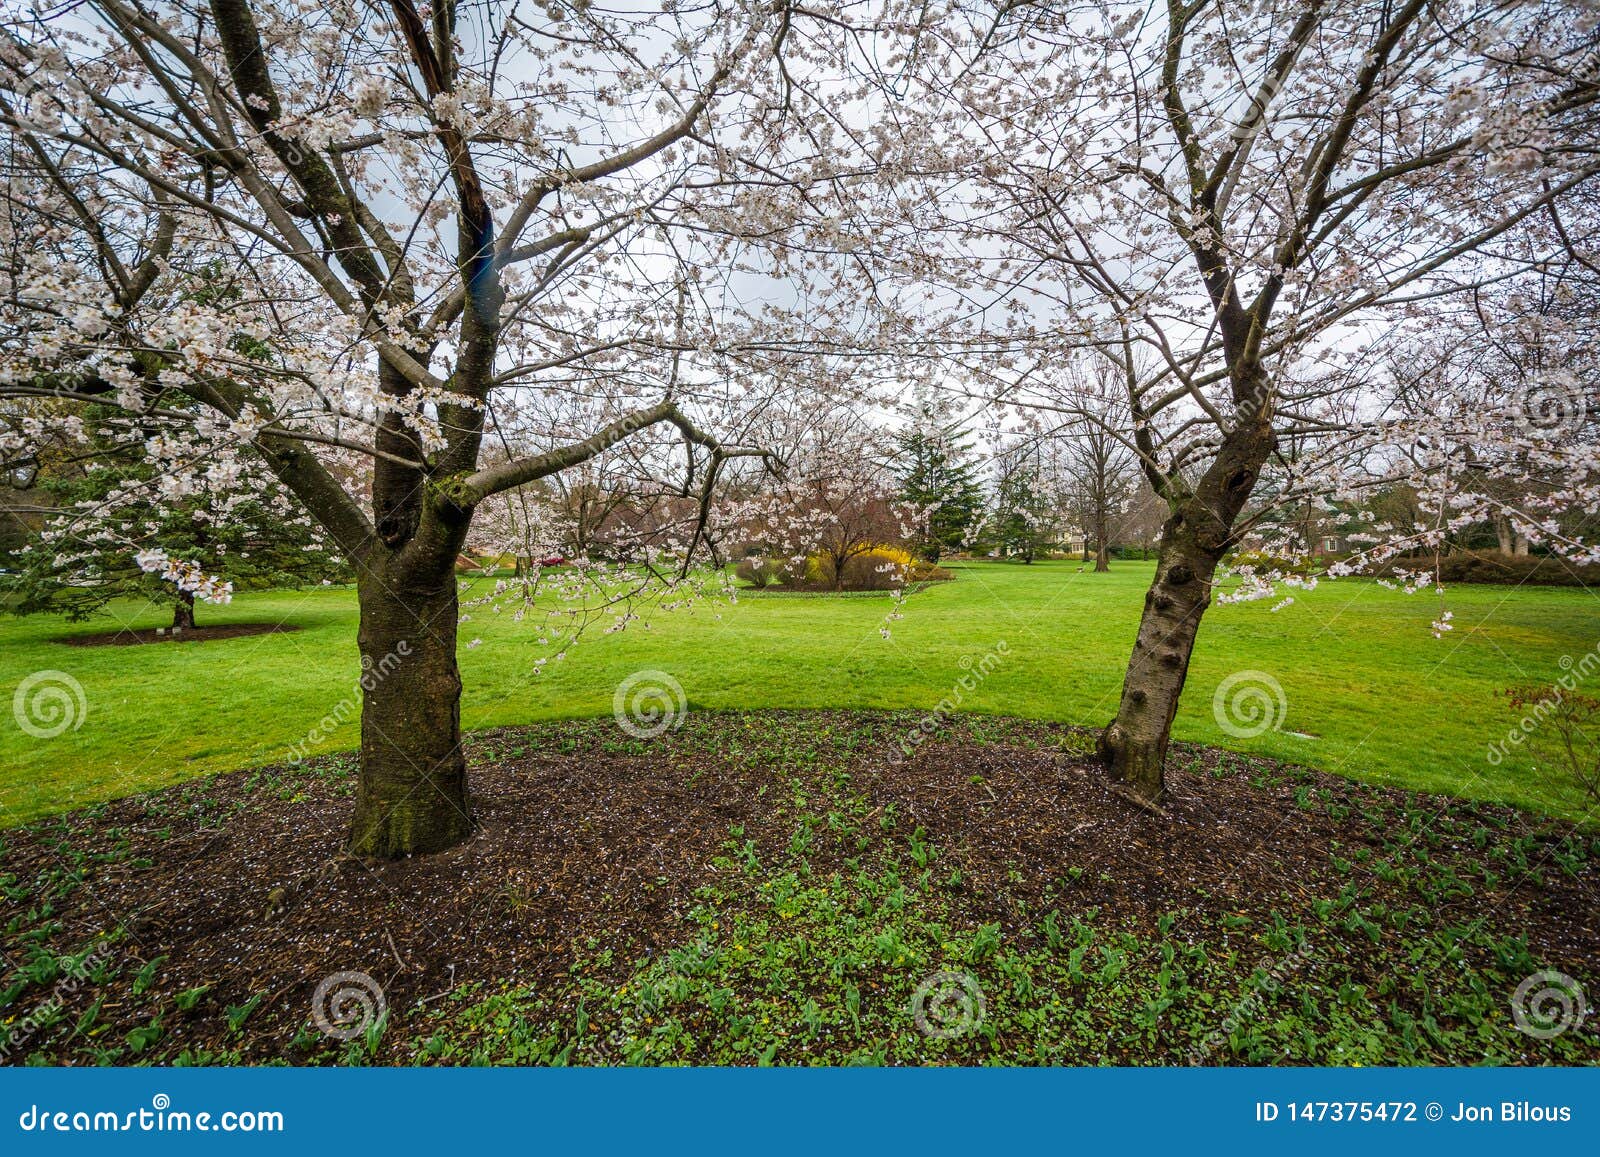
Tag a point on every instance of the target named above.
point(237, 1014)
point(147, 976)
point(189, 998)
point(144, 1036)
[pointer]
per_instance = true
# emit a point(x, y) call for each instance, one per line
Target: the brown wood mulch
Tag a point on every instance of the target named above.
point(202, 634)
point(240, 881)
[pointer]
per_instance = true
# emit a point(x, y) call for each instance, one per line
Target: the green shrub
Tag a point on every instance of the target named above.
point(1487, 566)
point(759, 571)
point(882, 568)
point(879, 569)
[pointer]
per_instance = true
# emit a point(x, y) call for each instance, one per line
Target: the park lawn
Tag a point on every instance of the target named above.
point(1369, 692)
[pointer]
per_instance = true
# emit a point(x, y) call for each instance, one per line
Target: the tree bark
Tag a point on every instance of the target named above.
point(412, 795)
point(183, 612)
point(1502, 532)
point(1133, 746)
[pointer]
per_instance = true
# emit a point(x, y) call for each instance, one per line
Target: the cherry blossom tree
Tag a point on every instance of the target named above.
point(675, 217)
point(1236, 203)
point(1494, 402)
point(836, 502)
point(113, 534)
point(424, 211)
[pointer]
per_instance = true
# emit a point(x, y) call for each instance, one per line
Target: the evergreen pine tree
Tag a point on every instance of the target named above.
point(936, 478)
point(243, 526)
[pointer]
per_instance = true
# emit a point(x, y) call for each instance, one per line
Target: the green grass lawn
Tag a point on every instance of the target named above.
point(1369, 692)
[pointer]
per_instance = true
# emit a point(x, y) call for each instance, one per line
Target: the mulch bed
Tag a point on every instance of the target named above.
point(597, 842)
point(130, 638)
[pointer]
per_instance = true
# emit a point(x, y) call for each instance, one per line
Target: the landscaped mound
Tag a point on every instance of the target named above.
point(801, 888)
point(128, 637)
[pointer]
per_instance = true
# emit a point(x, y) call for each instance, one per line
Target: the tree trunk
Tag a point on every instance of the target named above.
point(183, 612)
point(412, 794)
point(1134, 746)
point(1502, 532)
point(1102, 557)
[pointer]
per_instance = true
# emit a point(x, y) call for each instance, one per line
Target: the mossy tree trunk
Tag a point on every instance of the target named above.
point(1199, 532)
point(412, 792)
